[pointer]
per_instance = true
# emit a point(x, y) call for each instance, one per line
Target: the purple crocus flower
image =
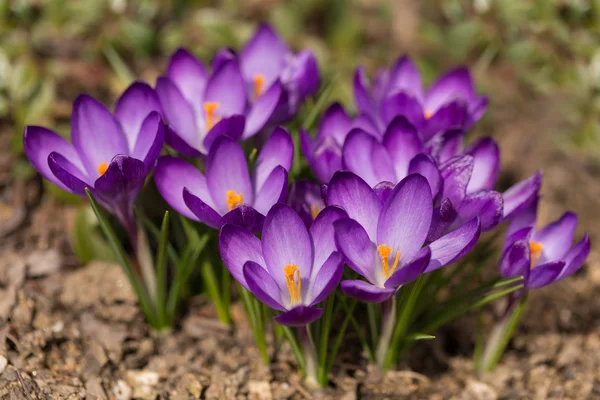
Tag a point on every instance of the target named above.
point(542, 256)
point(292, 268)
point(324, 152)
point(228, 193)
point(305, 198)
point(451, 102)
point(199, 107)
point(266, 59)
point(383, 238)
point(110, 155)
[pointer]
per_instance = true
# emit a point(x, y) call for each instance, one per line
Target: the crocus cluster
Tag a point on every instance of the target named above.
point(397, 190)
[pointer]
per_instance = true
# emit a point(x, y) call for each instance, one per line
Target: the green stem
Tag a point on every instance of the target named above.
point(161, 271)
point(215, 291)
point(388, 320)
point(324, 340)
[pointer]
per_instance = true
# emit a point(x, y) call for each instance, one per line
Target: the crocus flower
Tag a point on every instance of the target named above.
point(305, 198)
point(292, 268)
point(451, 102)
point(110, 154)
point(383, 238)
point(324, 152)
point(542, 256)
point(266, 59)
point(199, 107)
point(228, 193)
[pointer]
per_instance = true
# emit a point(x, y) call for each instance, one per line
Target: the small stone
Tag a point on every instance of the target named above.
point(44, 262)
point(93, 390)
point(122, 390)
point(143, 383)
point(260, 390)
point(476, 390)
point(3, 363)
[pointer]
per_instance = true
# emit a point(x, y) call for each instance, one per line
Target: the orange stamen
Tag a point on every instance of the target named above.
point(314, 211)
point(293, 282)
point(384, 252)
point(427, 114)
point(259, 82)
point(209, 110)
point(234, 199)
point(535, 249)
point(102, 168)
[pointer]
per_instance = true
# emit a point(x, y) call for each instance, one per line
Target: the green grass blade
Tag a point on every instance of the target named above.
point(161, 270)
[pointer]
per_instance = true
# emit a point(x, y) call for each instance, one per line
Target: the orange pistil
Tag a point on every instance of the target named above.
point(314, 211)
point(535, 248)
point(384, 252)
point(293, 282)
point(234, 199)
point(259, 82)
point(102, 168)
point(427, 114)
point(209, 110)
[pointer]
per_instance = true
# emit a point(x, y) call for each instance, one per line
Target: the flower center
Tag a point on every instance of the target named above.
point(234, 199)
point(102, 168)
point(427, 114)
point(536, 252)
point(293, 282)
point(259, 82)
point(209, 110)
point(384, 252)
point(314, 211)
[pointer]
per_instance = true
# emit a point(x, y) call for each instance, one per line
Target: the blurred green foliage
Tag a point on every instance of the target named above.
point(52, 50)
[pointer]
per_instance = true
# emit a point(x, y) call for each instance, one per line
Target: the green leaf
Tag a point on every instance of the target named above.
point(419, 336)
point(161, 270)
point(86, 240)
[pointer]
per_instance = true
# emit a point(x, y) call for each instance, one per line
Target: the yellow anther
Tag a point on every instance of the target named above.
point(427, 114)
point(234, 199)
point(102, 168)
point(293, 282)
point(384, 252)
point(209, 111)
point(314, 211)
point(259, 82)
point(535, 248)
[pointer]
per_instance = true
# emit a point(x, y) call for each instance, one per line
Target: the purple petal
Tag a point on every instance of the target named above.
point(190, 77)
point(456, 174)
point(305, 198)
point(326, 279)
point(171, 175)
point(227, 171)
point(285, 241)
point(424, 165)
point(299, 316)
point(455, 245)
point(178, 144)
point(69, 176)
point(356, 197)
point(322, 235)
point(132, 109)
point(39, 142)
point(264, 54)
point(486, 204)
point(402, 143)
point(277, 150)
point(363, 99)
point(274, 190)
point(226, 87)
point(122, 181)
point(576, 257)
point(150, 140)
point(443, 217)
point(237, 246)
point(486, 165)
point(232, 127)
point(456, 84)
point(262, 285)
point(201, 210)
point(366, 292)
point(406, 217)
point(367, 158)
point(521, 194)
point(96, 134)
point(545, 274)
point(476, 110)
point(180, 114)
point(327, 160)
point(451, 116)
point(402, 104)
point(301, 77)
point(223, 55)
point(383, 190)
point(244, 216)
point(525, 218)
point(410, 271)
point(556, 238)
point(405, 77)
point(262, 110)
point(358, 250)
point(516, 260)
point(335, 123)
point(447, 145)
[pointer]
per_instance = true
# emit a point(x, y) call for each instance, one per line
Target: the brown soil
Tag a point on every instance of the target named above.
point(70, 332)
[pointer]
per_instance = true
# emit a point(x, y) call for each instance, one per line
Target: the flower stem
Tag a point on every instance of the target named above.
point(388, 320)
point(501, 335)
point(310, 356)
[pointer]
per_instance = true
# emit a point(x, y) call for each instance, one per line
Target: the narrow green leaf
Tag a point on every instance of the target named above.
point(338, 340)
point(324, 339)
point(161, 269)
point(295, 348)
point(256, 321)
point(319, 106)
point(419, 336)
point(118, 65)
point(155, 232)
point(214, 290)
